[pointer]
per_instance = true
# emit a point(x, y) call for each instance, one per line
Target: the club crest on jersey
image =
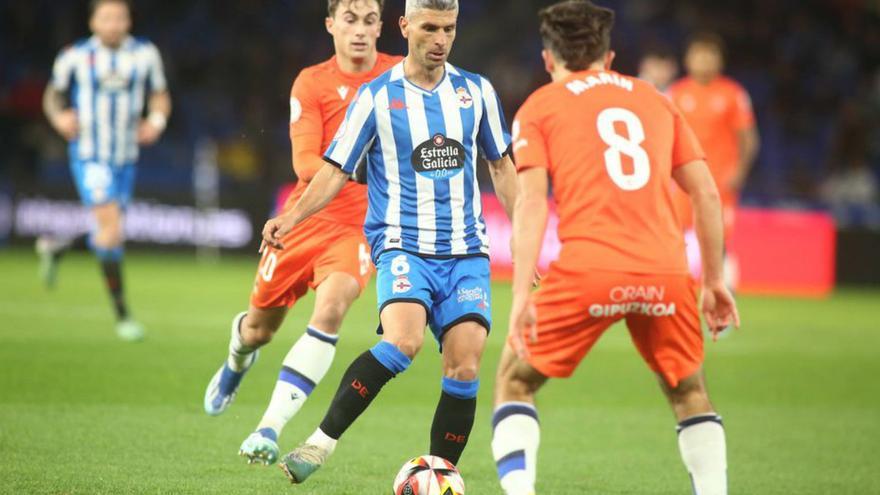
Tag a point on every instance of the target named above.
point(401, 284)
point(465, 100)
point(439, 158)
point(114, 81)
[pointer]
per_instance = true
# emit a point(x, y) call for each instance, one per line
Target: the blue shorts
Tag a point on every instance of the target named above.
point(452, 290)
point(101, 183)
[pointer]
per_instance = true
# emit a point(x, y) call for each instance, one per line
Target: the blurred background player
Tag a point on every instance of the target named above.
point(328, 253)
point(659, 66)
point(719, 111)
point(609, 144)
point(420, 126)
point(95, 100)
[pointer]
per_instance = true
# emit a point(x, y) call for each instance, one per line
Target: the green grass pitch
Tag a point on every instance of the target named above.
point(81, 412)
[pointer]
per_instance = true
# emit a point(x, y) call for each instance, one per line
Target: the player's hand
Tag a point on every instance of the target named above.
point(148, 133)
point(523, 325)
point(719, 308)
point(275, 230)
point(537, 280)
point(67, 124)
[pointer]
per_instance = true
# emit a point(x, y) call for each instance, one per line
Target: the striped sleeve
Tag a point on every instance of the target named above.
point(155, 69)
point(493, 137)
point(355, 134)
point(62, 70)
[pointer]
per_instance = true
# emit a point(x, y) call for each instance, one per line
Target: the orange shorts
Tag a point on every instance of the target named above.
point(575, 308)
point(313, 250)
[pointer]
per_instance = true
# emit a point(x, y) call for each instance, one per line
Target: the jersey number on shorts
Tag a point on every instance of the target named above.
point(400, 266)
point(619, 145)
point(270, 262)
point(364, 258)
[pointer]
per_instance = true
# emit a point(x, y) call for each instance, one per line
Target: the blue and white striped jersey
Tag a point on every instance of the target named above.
point(108, 90)
point(421, 157)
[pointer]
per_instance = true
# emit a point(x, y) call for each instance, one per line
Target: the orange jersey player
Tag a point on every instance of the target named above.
point(609, 144)
point(318, 100)
point(720, 112)
point(333, 241)
point(328, 253)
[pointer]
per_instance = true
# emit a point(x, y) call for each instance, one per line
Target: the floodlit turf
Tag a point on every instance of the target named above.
point(82, 412)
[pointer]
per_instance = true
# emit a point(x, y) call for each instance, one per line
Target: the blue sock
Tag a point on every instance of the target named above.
point(390, 356)
point(460, 389)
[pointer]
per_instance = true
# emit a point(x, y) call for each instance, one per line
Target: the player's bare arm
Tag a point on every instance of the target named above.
point(717, 303)
point(60, 115)
point(503, 173)
point(529, 222)
point(322, 189)
point(749, 143)
point(158, 111)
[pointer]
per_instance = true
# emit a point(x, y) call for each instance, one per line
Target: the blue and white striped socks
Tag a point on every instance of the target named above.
point(704, 452)
point(303, 368)
point(515, 446)
point(517, 435)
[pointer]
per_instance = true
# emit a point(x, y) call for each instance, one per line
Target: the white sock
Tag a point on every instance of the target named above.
point(304, 367)
point(322, 440)
point(515, 446)
point(704, 452)
point(239, 354)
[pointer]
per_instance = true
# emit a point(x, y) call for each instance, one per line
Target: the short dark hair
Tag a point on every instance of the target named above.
point(659, 50)
point(94, 4)
point(707, 38)
point(332, 5)
point(577, 31)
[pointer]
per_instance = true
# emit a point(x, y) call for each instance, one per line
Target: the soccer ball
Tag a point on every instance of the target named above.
point(428, 475)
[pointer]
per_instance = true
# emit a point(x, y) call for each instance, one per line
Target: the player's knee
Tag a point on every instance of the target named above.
point(410, 348)
point(689, 396)
point(516, 380)
point(514, 386)
point(687, 387)
point(466, 372)
point(256, 336)
point(108, 236)
point(409, 345)
point(256, 333)
point(328, 317)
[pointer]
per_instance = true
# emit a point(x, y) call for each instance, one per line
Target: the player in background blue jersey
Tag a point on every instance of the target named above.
point(420, 126)
point(95, 101)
